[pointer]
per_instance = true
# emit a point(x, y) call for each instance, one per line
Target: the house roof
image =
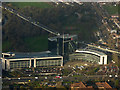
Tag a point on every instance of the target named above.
point(103, 85)
point(80, 85)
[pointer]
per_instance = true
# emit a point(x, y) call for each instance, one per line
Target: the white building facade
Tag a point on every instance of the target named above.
point(30, 61)
point(101, 58)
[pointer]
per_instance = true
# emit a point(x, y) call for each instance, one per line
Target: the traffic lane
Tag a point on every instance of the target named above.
point(18, 80)
point(27, 79)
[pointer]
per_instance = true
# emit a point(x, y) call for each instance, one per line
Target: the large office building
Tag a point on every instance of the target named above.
point(28, 60)
point(63, 45)
point(89, 55)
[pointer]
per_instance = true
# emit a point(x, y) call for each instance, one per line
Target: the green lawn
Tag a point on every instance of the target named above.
point(37, 44)
point(33, 4)
point(111, 9)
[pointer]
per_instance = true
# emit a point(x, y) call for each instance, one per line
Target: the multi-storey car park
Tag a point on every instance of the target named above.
point(28, 60)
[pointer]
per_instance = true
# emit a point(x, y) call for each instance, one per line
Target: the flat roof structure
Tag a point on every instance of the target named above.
point(63, 44)
point(30, 55)
point(66, 36)
point(28, 60)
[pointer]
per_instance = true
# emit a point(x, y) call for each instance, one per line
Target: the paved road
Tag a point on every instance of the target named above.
point(104, 49)
point(100, 48)
point(26, 79)
point(116, 22)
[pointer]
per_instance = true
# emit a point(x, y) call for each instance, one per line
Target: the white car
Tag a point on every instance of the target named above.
point(110, 75)
point(45, 77)
point(116, 75)
point(29, 75)
point(36, 77)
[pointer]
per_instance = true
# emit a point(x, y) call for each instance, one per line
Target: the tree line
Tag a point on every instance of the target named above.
point(62, 18)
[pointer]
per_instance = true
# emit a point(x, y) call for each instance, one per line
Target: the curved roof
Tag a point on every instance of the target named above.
point(91, 52)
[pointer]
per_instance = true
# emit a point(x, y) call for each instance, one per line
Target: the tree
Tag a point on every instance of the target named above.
point(117, 83)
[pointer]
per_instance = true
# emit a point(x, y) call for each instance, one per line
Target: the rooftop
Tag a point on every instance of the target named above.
point(30, 55)
point(92, 50)
point(103, 85)
point(62, 36)
point(99, 85)
point(80, 85)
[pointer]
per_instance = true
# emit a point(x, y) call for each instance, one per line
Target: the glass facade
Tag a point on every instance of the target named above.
point(36, 63)
point(84, 56)
point(48, 62)
point(19, 64)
